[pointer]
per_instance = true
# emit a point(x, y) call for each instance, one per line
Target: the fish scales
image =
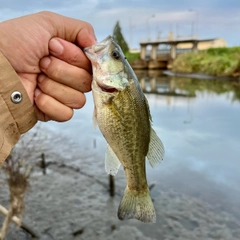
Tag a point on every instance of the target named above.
point(131, 132)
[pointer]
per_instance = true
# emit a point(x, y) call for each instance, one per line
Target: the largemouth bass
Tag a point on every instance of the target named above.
point(122, 113)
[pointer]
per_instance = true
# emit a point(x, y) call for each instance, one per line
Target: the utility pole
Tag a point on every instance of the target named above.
point(131, 26)
point(148, 27)
point(196, 22)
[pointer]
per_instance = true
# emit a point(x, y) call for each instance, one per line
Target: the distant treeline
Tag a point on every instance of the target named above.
point(214, 61)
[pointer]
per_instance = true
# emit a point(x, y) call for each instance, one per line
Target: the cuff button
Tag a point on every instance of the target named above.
point(16, 97)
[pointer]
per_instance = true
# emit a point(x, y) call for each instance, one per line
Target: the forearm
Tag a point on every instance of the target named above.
point(15, 118)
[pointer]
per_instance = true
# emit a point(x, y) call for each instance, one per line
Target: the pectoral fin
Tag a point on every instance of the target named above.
point(155, 150)
point(112, 163)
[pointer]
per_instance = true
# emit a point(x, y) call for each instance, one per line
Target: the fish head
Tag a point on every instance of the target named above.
point(109, 66)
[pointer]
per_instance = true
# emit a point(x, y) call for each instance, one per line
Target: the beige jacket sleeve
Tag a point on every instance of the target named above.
point(16, 110)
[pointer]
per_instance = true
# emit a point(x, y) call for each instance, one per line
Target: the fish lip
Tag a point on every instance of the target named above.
point(94, 48)
point(97, 48)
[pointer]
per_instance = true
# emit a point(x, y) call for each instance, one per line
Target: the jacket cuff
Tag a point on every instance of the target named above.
point(17, 111)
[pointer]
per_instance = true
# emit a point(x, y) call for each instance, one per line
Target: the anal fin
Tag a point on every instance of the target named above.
point(112, 163)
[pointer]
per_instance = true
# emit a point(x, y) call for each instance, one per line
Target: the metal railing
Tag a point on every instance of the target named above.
point(167, 39)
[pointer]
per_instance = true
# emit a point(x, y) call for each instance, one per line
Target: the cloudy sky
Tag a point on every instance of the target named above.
point(143, 19)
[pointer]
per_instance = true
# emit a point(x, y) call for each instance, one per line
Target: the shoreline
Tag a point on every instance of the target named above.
point(65, 204)
point(198, 75)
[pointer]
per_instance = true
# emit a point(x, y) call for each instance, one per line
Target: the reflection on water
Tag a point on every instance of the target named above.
point(153, 81)
point(198, 121)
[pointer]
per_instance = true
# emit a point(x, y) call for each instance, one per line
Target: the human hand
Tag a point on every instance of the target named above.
point(45, 51)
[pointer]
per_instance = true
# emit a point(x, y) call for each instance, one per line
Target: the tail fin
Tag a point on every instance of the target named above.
point(137, 205)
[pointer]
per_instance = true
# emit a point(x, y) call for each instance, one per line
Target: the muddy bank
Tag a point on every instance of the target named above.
point(67, 205)
point(72, 202)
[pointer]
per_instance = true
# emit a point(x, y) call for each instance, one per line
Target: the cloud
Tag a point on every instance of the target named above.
point(215, 18)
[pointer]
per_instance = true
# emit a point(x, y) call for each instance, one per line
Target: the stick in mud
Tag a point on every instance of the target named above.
point(111, 186)
point(43, 164)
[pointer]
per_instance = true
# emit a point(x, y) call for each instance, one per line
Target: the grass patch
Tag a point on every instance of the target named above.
point(131, 57)
point(214, 61)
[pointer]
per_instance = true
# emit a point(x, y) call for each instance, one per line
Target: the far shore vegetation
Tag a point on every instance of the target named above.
point(120, 40)
point(214, 61)
point(131, 57)
point(224, 61)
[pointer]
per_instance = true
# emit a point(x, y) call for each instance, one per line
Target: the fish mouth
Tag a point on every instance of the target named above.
point(95, 48)
point(106, 88)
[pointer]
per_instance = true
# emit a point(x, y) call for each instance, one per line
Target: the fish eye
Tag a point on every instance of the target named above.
point(115, 54)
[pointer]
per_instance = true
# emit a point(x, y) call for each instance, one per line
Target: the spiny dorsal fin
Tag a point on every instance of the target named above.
point(155, 150)
point(112, 163)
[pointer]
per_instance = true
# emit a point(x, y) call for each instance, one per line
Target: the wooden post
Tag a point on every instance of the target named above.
point(43, 164)
point(111, 186)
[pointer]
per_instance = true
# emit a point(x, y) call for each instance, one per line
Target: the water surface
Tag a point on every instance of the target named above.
point(198, 122)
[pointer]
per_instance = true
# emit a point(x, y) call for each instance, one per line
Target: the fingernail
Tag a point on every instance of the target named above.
point(55, 46)
point(37, 92)
point(40, 78)
point(45, 62)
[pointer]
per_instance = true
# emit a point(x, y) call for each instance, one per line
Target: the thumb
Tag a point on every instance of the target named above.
point(70, 29)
